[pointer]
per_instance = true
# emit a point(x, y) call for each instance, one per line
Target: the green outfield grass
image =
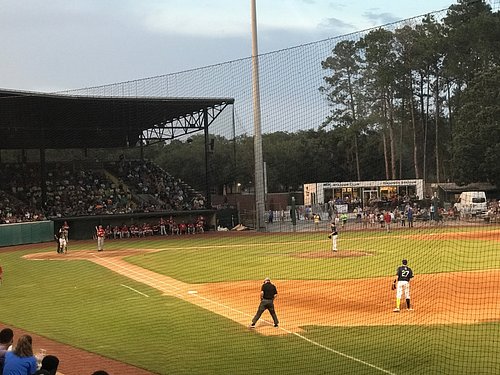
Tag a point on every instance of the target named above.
point(85, 305)
point(244, 258)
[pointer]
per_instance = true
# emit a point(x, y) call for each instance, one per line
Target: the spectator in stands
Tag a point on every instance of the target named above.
point(409, 215)
point(432, 212)
point(21, 360)
point(6, 340)
point(50, 363)
point(387, 220)
point(343, 219)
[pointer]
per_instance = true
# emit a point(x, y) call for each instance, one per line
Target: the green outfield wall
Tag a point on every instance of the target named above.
point(26, 233)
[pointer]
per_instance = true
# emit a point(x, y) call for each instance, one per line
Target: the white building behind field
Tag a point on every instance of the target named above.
point(362, 192)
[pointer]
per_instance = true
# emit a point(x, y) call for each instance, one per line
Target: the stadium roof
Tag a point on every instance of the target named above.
point(31, 120)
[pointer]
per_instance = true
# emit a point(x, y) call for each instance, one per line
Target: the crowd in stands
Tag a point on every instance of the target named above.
point(147, 178)
point(110, 188)
point(13, 210)
point(19, 358)
point(401, 209)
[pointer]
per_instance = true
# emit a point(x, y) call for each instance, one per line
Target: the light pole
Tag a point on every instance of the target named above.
point(259, 163)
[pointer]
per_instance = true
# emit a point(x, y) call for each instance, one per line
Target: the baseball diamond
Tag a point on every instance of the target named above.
point(230, 299)
point(134, 269)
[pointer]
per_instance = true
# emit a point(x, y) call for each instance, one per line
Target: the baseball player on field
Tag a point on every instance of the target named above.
point(404, 275)
point(63, 241)
point(100, 233)
point(333, 236)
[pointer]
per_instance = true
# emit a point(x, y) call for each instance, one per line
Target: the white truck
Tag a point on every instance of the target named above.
point(471, 203)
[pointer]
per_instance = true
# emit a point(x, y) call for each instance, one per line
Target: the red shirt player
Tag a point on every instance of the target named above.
point(200, 224)
point(100, 238)
point(182, 228)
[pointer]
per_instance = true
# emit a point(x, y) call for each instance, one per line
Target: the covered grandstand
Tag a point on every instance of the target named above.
point(102, 191)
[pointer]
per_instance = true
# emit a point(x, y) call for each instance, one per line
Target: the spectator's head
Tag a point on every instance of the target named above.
point(50, 364)
point(6, 336)
point(24, 346)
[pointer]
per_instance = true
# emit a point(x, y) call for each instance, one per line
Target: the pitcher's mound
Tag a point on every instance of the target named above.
point(333, 254)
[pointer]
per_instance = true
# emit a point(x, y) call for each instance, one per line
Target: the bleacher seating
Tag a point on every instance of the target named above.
point(78, 189)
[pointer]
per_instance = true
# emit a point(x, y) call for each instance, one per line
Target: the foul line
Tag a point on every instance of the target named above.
point(142, 294)
point(341, 354)
point(175, 293)
point(303, 338)
point(248, 315)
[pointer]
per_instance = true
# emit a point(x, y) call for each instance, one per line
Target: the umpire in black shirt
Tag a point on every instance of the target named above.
point(268, 293)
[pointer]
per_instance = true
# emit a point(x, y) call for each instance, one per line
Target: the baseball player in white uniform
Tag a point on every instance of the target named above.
point(402, 283)
point(333, 236)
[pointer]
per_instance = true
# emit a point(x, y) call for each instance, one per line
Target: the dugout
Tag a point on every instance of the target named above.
point(83, 227)
point(42, 121)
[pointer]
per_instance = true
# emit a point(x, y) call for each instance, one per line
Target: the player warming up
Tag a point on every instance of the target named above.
point(100, 232)
point(268, 293)
point(404, 275)
point(63, 241)
point(333, 236)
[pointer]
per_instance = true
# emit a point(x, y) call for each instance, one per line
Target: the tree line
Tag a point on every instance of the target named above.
point(428, 92)
point(420, 101)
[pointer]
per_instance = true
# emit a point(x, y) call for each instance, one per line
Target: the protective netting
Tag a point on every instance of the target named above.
point(364, 177)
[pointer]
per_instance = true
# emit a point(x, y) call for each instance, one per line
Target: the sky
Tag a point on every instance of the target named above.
point(54, 45)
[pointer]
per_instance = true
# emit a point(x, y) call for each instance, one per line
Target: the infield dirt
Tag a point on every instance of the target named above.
point(300, 303)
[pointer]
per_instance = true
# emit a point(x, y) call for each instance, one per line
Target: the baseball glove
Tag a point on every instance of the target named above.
point(393, 286)
point(330, 236)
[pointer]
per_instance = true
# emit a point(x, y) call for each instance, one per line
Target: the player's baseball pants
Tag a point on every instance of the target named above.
point(266, 304)
point(403, 285)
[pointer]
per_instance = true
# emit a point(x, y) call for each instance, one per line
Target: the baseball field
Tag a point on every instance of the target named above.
point(182, 304)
